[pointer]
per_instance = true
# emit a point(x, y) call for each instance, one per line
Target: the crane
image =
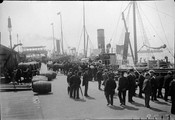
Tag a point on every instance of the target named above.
point(126, 42)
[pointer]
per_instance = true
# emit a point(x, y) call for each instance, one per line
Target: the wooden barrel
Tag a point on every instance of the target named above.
point(39, 78)
point(41, 87)
point(50, 75)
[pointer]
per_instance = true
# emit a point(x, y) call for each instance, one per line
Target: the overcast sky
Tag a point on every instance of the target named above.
point(31, 20)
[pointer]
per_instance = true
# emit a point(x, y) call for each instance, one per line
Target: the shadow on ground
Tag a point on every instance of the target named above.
point(138, 104)
point(80, 100)
point(116, 107)
point(130, 107)
point(162, 103)
point(89, 97)
point(43, 94)
point(157, 110)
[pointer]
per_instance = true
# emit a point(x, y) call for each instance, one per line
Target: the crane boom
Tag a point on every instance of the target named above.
point(123, 18)
point(126, 42)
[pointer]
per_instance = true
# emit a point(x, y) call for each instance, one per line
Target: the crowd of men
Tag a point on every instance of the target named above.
point(150, 84)
point(24, 70)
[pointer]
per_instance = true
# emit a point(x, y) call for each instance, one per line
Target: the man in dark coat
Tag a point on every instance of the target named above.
point(171, 92)
point(154, 85)
point(110, 89)
point(160, 80)
point(105, 76)
point(76, 85)
point(147, 89)
point(72, 83)
point(140, 83)
point(69, 75)
point(167, 79)
point(99, 78)
point(95, 72)
point(122, 87)
point(132, 85)
point(86, 82)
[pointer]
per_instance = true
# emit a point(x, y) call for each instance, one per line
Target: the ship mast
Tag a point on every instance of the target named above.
point(135, 34)
point(84, 30)
point(174, 44)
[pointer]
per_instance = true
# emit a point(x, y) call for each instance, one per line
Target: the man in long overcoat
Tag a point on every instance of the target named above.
point(140, 83)
point(110, 89)
point(122, 87)
point(132, 85)
point(167, 79)
point(171, 92)
point(147, 89)
point(99, 78)
point(86, 82)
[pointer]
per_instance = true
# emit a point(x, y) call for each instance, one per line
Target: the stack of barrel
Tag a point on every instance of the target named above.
point(40, 84)
point(50, 75)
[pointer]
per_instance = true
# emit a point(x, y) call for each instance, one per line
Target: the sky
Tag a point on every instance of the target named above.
point(31, 20)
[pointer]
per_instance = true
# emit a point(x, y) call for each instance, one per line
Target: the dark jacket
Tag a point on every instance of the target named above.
point(160, 81)
point(132, 82)
point(99, 75)
point(123, 83)
point(140, 80)
point(77, 81)
point(167, 80)
point(154, 83)
point(146, 86)
point(172, 90)
point(86, 78)
point(110, 86)
point(68, 77)
point(73, 80)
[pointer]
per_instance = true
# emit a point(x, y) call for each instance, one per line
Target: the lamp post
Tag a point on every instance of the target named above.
point(10, 30)
point(53, 37)
point(59, 13)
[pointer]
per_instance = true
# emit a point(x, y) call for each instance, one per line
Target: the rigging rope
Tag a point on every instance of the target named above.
point(164, 31)
point(159, 11)
point(129, 5)
point(142, 25)
point(145, 38)
point(80, 40)
point(89, 39)
point(117, 23)
point(153, 28)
